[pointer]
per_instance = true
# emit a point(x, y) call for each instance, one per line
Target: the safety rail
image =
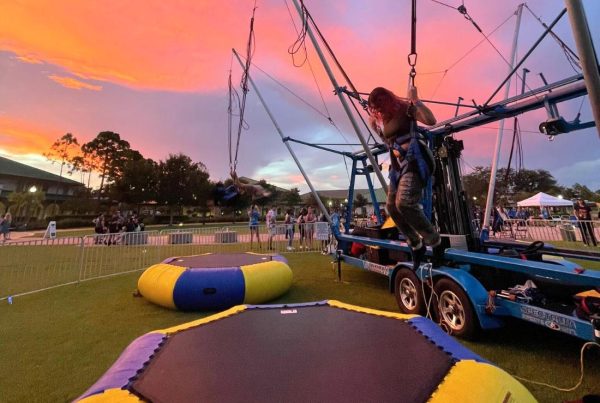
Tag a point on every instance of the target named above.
point(28, 266)
point(586, 231)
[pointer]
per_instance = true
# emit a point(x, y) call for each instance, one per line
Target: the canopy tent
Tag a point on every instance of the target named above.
point(544, 200)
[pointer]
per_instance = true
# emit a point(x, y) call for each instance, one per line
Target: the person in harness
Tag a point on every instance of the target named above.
point(411, 164)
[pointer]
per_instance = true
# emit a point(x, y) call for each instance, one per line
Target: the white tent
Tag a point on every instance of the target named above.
point(544, 200)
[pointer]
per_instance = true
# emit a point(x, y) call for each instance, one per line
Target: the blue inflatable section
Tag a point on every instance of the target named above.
point(214, 289)
point(430, 330)
point(130, 361)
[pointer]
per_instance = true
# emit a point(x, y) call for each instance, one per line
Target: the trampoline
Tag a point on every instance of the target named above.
point(321, 351)
point(215, 281)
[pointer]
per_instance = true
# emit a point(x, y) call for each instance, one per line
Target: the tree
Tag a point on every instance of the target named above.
point(476, 183)
point(292, 198)
point(138, 182)
point(85, 163)
point(534, 181)
point(112, 153)
point(182, 182)
point(515, 186)
point(585, 193)
point(63, 150)
point(24, 205)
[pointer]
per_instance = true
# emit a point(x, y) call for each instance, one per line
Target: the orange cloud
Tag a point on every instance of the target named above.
point(29, 59)
point(141, 44)
point(183, 45)
point(70, 82)
point(20, 137)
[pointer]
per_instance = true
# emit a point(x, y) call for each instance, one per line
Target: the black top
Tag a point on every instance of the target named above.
point(583, 212)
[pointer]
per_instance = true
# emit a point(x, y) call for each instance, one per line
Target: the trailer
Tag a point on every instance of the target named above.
point(474, 291)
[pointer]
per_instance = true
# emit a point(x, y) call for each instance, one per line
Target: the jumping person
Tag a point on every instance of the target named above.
point(254, 191)
point(411, 164)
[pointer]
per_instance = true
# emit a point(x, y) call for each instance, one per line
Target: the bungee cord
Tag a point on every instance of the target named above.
point(250, 48)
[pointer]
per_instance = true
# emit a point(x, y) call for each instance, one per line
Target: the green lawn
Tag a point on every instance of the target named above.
point(57, 343)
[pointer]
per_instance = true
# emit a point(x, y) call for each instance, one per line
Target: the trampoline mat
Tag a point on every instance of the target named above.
point(316, 353)
point(220, 260)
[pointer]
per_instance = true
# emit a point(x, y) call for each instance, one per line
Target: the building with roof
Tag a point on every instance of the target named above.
point(17, 177)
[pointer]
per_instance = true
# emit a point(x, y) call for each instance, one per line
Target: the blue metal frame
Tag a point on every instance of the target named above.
point(564, 273)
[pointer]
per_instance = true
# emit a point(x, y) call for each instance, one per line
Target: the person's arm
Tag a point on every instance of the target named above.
point(423, 114)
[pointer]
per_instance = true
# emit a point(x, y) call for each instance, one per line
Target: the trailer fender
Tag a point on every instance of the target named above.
point(475, 291)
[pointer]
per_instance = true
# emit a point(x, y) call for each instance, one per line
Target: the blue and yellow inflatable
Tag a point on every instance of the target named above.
point(215, 281)
point(320, 352)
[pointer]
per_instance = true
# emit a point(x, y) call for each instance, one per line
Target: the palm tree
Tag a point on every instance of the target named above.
point(24, 205)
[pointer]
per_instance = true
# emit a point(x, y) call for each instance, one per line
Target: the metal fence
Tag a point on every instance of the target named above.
point(33, 265)
point(587, 232)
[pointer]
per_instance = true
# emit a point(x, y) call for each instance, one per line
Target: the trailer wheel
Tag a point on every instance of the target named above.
point(408, 292)
point(454, 309)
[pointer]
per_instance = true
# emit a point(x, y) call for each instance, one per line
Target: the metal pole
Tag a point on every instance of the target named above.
point(587, 55)
point(490, 195)
point(308, 182)
point(514, 69)
point(344, 102)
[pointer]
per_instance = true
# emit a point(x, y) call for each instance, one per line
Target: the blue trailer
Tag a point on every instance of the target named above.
point(475, 291)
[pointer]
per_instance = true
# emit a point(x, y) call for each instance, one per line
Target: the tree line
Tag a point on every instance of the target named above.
point(513, 186)
point(127, 176)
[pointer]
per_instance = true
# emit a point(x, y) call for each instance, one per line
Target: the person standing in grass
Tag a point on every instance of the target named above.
point(271, 225)
point(311, 219)
point(5, 226)
point(289, 227)
point(584, 214)
point(302, 227)
point(254, 218)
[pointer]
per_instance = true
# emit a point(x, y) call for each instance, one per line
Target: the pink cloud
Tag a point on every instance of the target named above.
point(75, 84)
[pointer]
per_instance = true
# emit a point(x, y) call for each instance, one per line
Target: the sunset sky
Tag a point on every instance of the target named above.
point(156, 72)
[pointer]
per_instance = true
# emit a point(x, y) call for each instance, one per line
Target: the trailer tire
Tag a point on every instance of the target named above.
point(455, 311)
point(408, 292)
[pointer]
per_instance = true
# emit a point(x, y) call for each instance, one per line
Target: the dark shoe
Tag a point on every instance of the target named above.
point(418, 255)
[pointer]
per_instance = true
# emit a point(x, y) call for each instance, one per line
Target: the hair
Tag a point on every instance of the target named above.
point(384, 105)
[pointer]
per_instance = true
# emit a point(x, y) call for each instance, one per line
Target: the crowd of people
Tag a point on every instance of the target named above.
point(115, 224)
point(304, 222)
point(581, 216)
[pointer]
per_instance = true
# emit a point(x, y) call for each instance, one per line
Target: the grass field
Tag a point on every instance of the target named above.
point(57, 343)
